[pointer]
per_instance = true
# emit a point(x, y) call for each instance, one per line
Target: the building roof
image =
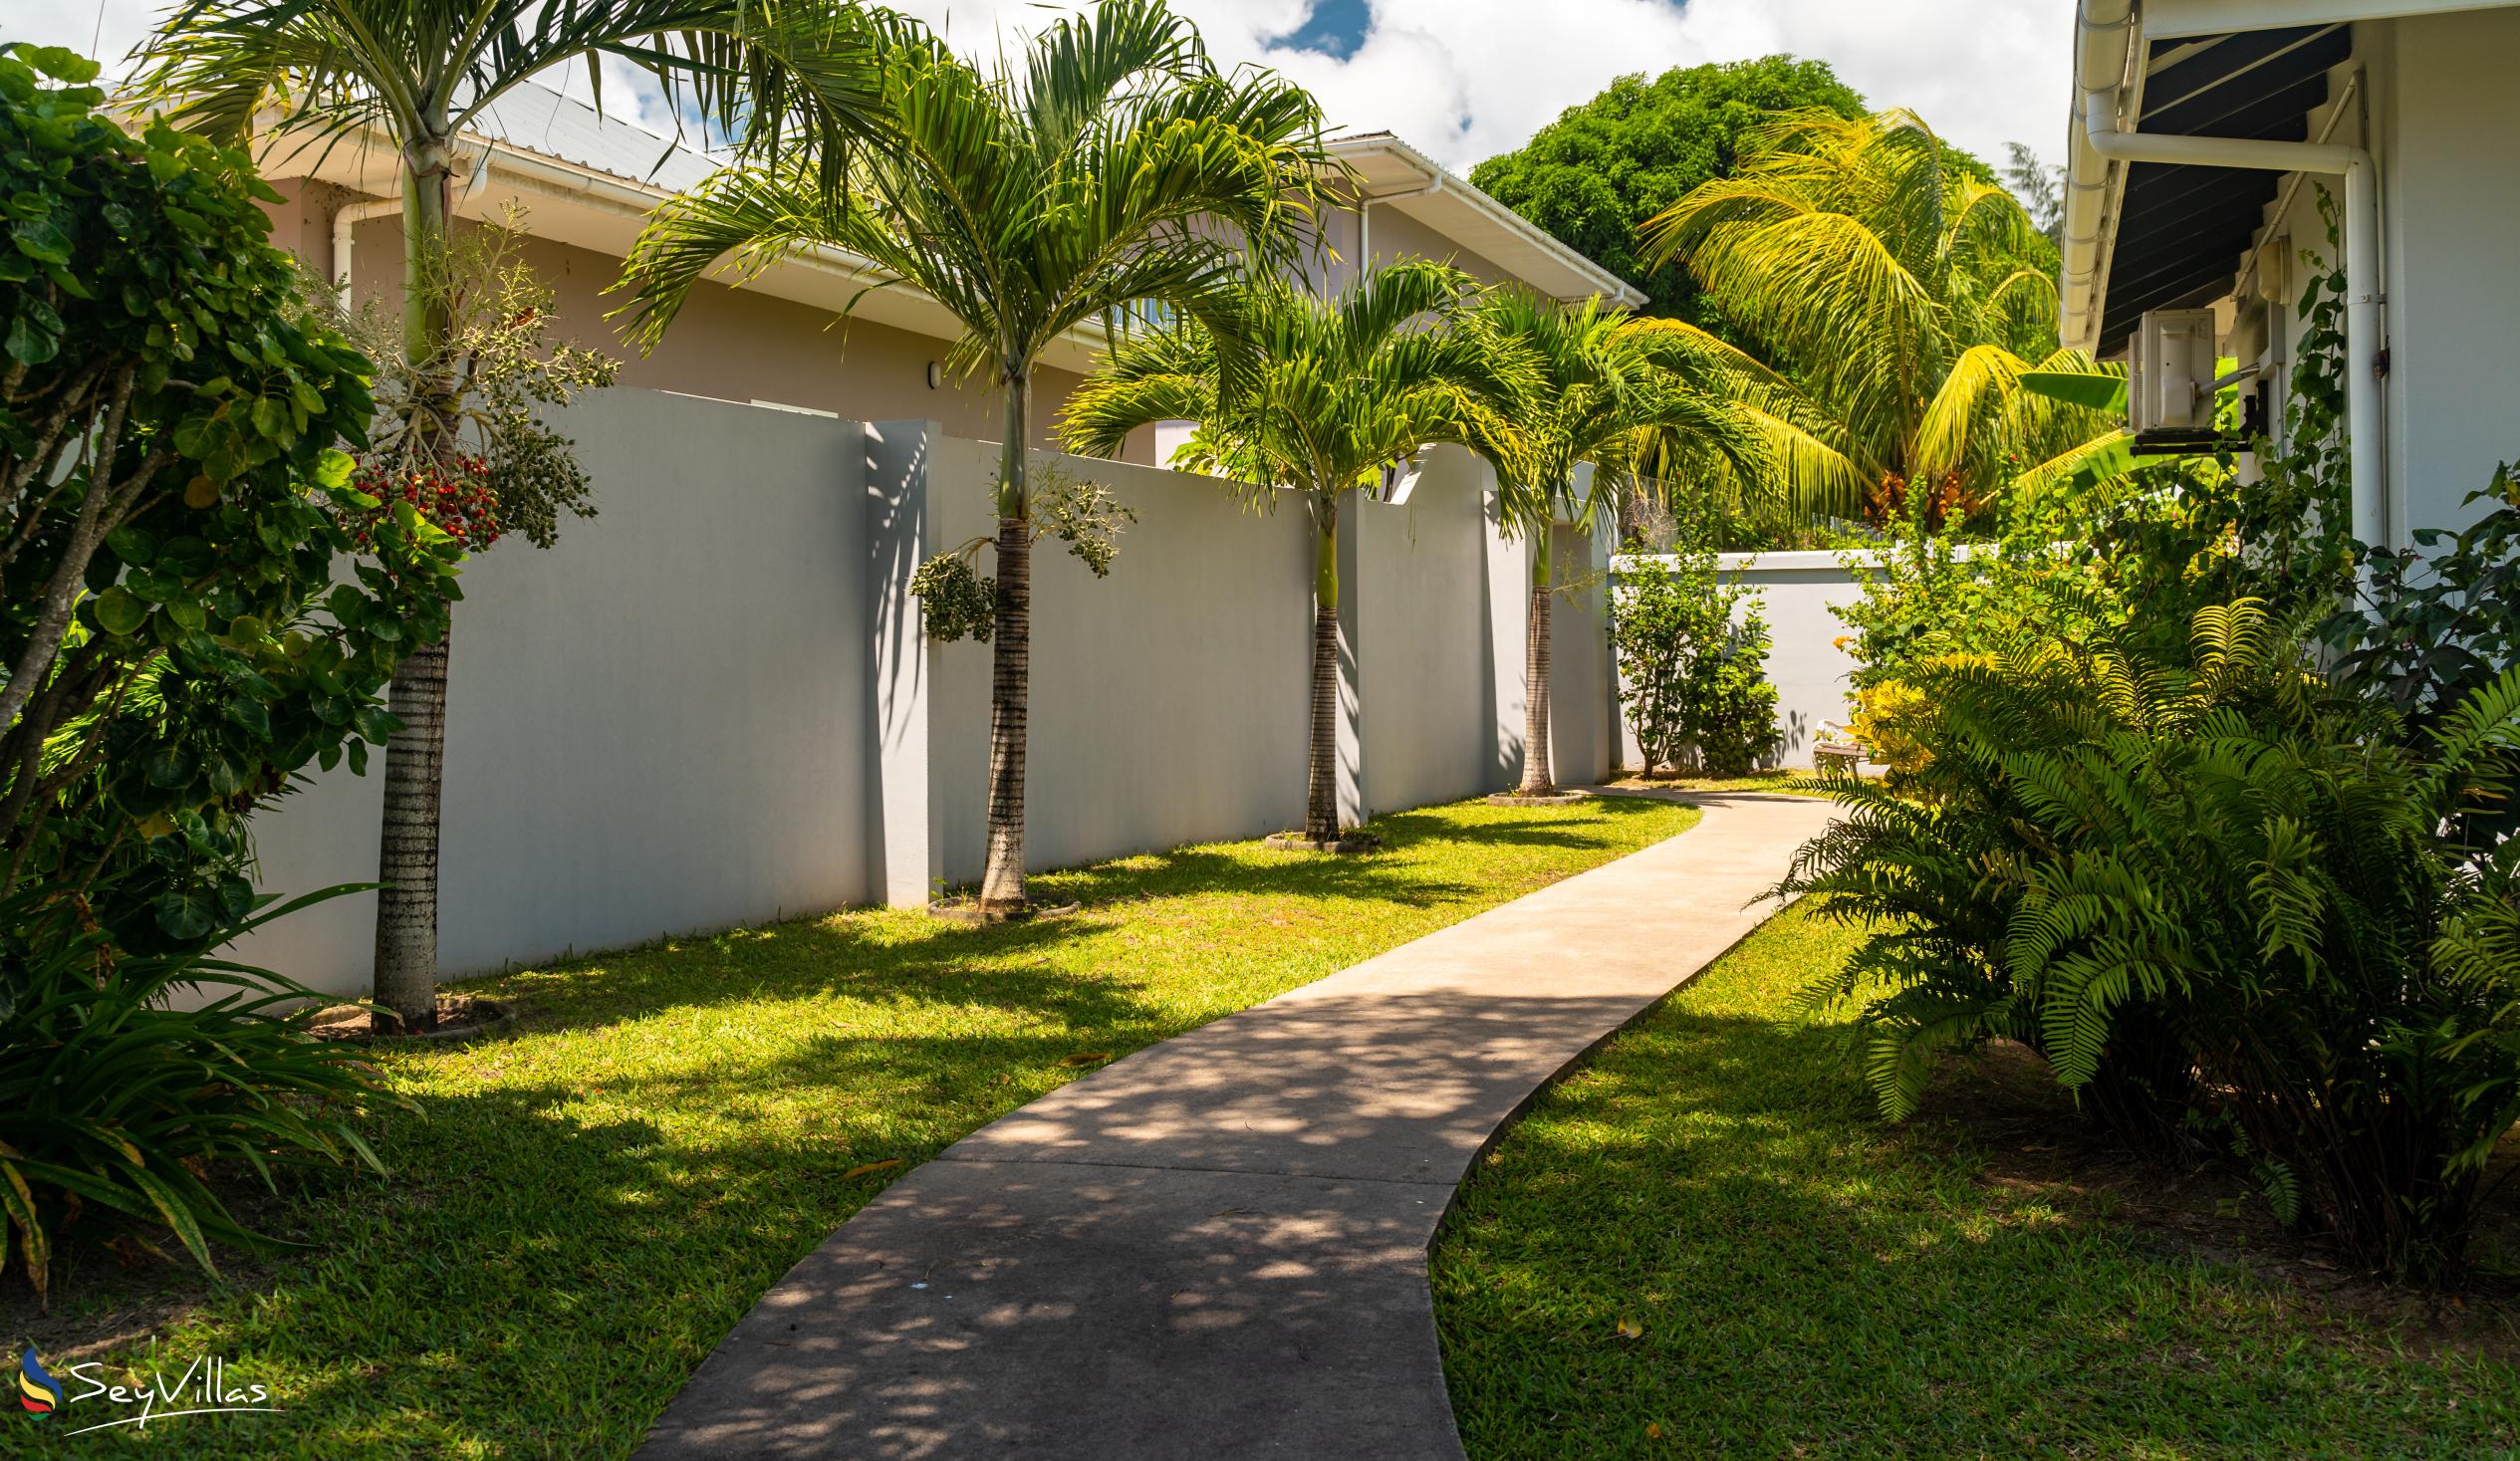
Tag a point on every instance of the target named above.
point(1397, 176)
point(588, 179)
point(2177, 233)
point(540, 120)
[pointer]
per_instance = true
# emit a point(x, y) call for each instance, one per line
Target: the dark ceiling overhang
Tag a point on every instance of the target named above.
point(2182, 230)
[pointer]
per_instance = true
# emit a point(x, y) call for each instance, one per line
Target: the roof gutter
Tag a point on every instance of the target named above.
point(2104, 41)
point(1619, 291)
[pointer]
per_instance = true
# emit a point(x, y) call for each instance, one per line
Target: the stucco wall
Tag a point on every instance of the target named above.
point(2452, 198)
point(1420, 630)
point(1168, 700)
point(1799, 593)
point(655, 726)
point(713, 703)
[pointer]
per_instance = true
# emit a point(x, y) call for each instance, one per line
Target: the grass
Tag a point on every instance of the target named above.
point(582, 1211)
point(1809, 1280)
point(1797, 783)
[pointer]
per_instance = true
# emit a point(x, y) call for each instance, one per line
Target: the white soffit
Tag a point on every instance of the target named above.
point(2166, 19)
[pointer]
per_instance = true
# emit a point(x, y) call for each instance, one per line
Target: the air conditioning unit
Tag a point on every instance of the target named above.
point(2170, 383)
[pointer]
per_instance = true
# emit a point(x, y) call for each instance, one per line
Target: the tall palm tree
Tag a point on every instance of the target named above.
point(1113, 167)
point(1337, 390)
point(1896, 301)
point(1601, 389)
point(416, 73)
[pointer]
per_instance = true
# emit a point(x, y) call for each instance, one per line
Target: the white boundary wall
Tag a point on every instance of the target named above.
point(1800, 591)
point(711, 704)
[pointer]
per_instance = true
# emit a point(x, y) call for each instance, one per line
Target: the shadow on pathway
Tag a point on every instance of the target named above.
point(1216, 1246)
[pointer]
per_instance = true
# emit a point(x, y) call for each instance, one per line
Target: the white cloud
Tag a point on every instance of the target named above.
point(1465, 78)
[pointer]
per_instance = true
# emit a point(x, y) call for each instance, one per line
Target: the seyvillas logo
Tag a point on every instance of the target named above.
point(203, 1388)
point(37, 1389)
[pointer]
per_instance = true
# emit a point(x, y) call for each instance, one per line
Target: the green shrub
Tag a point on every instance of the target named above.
point(1693, 661)
point(2279, 885)
point(172, 513)
point(1925, 590)
point(117, 1110)
point(1932, 862)
point(2225, 883)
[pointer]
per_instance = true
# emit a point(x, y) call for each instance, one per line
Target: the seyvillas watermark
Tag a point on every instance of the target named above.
point(203, 1388)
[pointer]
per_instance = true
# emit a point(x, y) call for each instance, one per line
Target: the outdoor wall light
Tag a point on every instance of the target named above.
point(935, 375)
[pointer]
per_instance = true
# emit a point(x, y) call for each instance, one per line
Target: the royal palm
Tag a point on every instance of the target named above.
point(1109, 168)
point(412, 74)
point(1591, 388)
point(1334, 392)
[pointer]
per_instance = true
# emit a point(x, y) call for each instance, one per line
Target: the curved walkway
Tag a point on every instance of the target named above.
point(1216, 1246)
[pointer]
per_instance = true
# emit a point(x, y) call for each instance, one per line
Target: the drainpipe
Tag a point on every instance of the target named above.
point(1365, 201)
point(2104, 41)
point(344, 218)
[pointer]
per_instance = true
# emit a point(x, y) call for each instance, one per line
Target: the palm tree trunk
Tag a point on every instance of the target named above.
point(415, 755)
point(1321, 800)
point(1010, 680)
point(1536, 779)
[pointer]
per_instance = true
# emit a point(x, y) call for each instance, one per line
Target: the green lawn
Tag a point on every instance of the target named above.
point(1811, 1282)
point(1797, 783)
point(580, 1212)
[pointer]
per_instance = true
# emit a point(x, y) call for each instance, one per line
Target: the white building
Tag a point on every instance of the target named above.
point(2203, 131)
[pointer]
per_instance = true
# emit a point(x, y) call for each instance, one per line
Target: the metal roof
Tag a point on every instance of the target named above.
point(539, 119)
point(2181, 231)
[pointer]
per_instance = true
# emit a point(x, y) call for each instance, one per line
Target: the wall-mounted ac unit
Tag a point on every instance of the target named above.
point(2170, 383)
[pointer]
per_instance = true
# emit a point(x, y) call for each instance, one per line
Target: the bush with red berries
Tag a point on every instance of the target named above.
point(455, 496)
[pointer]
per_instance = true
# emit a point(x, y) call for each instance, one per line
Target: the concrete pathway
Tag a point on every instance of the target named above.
point(1216, 1246)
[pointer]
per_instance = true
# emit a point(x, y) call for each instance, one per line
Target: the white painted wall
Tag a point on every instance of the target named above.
point(1800, 592)
point(1420, 631)
point(712, 705)
point(2449, 126)
point(653, 727)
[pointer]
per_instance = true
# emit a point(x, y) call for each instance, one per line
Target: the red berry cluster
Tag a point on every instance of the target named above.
point(456, 497)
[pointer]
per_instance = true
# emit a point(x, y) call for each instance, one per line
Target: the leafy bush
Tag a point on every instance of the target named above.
point(958, 602)
point(171, 513)
point(1931, 862)
point(1925, 591)
point(113, 1107)
point(2279, 886)
point(1693, 661)
point(2434, 631)
point(2222, 878)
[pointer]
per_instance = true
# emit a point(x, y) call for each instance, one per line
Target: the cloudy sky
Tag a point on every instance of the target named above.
point(1465, 78)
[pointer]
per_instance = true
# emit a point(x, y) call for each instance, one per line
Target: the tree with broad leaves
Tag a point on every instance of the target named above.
point(412, 75)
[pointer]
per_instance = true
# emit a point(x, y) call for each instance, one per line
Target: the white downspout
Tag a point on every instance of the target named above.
point(2106, 32)
point(1365, 202)
point(345, 219)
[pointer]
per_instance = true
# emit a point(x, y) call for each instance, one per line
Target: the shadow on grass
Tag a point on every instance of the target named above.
point(579, 1213)
point(1809, 1279)
point(902, 954)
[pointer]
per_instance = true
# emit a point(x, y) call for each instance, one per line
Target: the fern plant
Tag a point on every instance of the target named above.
point(1934, 862)
point(2269, 869)
point(2224, 884)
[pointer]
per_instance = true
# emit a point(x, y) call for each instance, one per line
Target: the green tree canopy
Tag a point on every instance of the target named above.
point(1604, 167)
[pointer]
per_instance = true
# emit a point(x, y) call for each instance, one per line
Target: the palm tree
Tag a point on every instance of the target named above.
point(416, 73)
point(1115, 168)
point(1602, 390)
point(1338, 390)
point(1898, 300)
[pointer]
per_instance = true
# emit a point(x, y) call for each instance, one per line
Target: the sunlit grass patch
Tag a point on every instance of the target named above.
point(1811, 1282)
point(579, 1213)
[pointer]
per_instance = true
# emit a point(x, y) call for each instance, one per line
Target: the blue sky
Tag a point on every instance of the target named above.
point(1464, 78)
